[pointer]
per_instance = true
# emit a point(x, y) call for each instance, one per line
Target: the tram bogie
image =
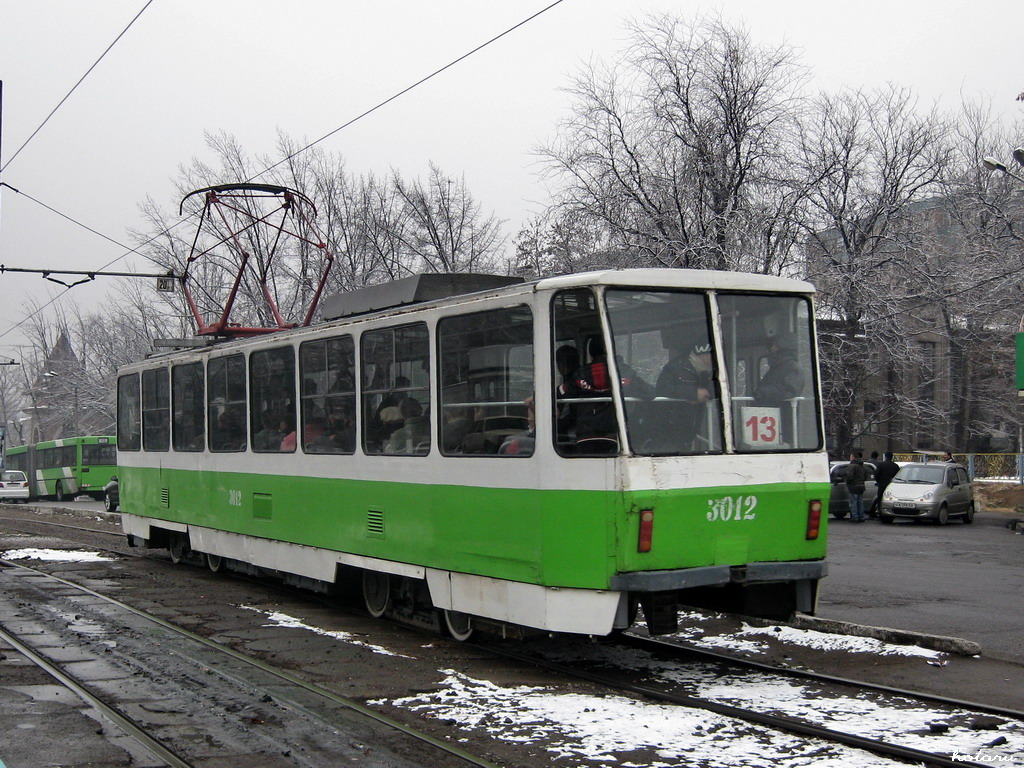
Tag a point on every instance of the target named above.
point(544, 457)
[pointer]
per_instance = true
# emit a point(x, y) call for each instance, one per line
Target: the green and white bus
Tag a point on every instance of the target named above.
point(68, 467)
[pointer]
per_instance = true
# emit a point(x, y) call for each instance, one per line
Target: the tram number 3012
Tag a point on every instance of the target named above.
point(732, 508)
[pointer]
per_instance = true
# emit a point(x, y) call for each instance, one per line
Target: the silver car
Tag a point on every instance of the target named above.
point(839, 499)
point(934, 491)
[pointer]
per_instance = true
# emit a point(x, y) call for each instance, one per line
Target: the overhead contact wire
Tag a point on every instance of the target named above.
point(75, 86)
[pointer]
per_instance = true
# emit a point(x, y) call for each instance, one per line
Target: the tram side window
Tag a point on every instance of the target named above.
point(188, 421)
point(487, 383)
point(225, 403)
point(129, 413)
point(156, 405)
point(272, 399)
point(328, 401)
point(585, 420)
point(396, 390)
point(769, 358)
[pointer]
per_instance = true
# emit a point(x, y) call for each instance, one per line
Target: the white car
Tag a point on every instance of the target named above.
point(13, 485)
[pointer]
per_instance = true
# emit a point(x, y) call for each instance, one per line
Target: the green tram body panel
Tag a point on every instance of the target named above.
point(561, 538)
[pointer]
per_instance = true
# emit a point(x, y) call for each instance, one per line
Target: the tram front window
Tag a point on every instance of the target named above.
point(663, 347)
point(770, 362)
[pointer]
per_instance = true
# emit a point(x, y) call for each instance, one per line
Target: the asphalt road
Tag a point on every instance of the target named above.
point(956, 580)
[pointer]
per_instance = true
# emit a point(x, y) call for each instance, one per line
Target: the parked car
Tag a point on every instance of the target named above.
point(933, 491)
point(111, 495)
point(839, 499)
point(13, 485)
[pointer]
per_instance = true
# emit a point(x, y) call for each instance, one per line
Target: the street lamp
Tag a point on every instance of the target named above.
point(992, 164)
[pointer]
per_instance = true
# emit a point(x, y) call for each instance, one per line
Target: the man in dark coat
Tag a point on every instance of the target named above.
point(784, 379)
point(856, 476)
point(885, 472)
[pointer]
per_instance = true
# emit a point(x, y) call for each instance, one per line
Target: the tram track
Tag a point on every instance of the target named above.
point(278, 712)
point(130, 727)
point(656, 686)
point(654, 644)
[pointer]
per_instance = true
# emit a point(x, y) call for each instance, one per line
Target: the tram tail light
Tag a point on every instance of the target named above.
point(646, 530)
point(813, 519)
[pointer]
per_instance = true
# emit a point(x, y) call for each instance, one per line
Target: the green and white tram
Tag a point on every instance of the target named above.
point(544, 455)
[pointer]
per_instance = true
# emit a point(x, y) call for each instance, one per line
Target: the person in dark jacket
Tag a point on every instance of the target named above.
point(784, 379)
point(596, 425)
point(856, 476)
point(885, 472)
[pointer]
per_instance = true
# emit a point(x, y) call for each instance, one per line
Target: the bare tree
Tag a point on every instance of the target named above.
point(976, 286)
point(12, 405)
point(683, 152)
point(447, 233)
point(877, 162)
point(562, 242)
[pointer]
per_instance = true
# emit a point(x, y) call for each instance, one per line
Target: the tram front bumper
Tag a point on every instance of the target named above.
point(719, 575)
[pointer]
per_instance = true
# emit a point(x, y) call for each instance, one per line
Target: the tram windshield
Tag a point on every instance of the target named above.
point(769, 359)
point(672, 389)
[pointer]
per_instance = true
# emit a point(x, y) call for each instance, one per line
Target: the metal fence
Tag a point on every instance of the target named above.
point(981, 466)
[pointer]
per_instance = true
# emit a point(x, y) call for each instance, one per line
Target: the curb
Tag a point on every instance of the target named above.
point(940, 643)
point(112, 517)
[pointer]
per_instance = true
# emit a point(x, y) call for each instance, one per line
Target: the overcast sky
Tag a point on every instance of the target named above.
point(253, 67)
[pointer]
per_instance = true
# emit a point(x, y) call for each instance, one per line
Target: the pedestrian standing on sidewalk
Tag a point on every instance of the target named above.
point(855, 477)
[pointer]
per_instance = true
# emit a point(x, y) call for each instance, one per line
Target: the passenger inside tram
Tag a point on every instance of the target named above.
point(595, 420)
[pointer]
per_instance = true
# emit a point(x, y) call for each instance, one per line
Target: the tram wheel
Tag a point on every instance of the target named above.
point(376, 592)
point(214, 562)
point(178, 547)
point(459, 625)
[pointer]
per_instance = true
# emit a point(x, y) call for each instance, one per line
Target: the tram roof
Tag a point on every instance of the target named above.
point(706, 279)
point(426, 288)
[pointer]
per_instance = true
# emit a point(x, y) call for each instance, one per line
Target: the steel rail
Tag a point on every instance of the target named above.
point(130, 728)
point(646, 643)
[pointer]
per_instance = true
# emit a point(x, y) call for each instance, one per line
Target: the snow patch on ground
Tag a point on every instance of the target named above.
point(622, 732)
point(54, 555)
point(284, 620)
point(747, 640)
